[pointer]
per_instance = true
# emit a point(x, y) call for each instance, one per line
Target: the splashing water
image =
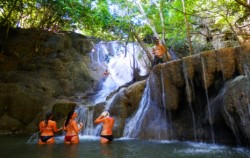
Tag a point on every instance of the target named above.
point(34, 138)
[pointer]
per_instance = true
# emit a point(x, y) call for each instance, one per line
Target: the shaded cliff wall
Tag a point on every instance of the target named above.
point(191, 87)
point(40, 71)
point(204, 96)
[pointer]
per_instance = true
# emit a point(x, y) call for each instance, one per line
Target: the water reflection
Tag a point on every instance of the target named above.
point(106, 150)
point(45, 150)
point(70, 150)
point(16, 147)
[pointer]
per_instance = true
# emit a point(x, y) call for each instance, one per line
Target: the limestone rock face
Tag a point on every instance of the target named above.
point(134, 93)
point(203, 97)
point(190, 89)
point(236, 108)
point(124, 104)
point(37, 68)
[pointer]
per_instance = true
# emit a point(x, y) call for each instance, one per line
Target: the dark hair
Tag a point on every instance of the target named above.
point(69, 117)
point(47, 117)
point(155, 39)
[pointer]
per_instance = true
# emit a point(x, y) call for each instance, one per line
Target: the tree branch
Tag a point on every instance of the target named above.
point(243, 3)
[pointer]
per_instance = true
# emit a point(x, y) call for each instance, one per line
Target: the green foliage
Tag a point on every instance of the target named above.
point(122, 19)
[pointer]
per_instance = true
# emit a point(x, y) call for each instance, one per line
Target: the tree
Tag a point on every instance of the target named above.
point(130, 20)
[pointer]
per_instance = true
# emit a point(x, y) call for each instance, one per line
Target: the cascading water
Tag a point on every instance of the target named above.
point(208, 104)
point(85, 115)
point(120, 61)
point(166, 112)
point(150, 120)
point(189, 97)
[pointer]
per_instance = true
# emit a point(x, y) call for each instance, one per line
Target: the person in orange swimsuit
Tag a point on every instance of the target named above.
point(108, 123)
point(47, 128)
point(72, 129)
point(158, 51)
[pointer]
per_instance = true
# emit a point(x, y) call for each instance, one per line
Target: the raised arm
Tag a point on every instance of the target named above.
point(99, 119)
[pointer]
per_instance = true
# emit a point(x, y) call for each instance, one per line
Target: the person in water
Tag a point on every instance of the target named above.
point(107, 127)
point(106, 73)
point(72, 129)
point(47, 128)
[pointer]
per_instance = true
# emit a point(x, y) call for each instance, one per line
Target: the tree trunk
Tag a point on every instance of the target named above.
point(149, 23)
point(143, 46)
point(162, 22)
point(188, 29)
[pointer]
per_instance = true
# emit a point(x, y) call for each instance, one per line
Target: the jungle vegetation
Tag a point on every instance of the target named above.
point(186, 26)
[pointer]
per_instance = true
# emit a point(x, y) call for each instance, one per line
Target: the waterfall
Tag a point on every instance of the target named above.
point(166, 112)
point(150, 120)
point(189, 98)
point(85, 115)
point(120, 61)
point(208, 104)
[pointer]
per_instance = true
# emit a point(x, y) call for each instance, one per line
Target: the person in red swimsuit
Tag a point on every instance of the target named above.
point(72, 129)
point(47, 129)
point(108, 123)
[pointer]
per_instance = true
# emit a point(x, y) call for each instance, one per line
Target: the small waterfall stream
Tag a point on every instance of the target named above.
point(208, 103)
point(150, 120)
point(166, 112)
point(189, 97)
point(85, 115)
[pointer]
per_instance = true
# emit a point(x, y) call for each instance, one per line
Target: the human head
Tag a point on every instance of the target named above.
point(48, 116)
point(69, 117)
point(156, 39)
point(105, 114)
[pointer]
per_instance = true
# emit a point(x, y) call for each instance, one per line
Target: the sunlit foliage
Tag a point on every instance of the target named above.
point(127, 19)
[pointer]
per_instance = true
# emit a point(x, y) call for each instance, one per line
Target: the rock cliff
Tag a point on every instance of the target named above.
point(38, 70)
point(204, 97)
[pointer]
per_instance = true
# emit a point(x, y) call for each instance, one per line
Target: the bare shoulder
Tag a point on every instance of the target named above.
point(42, 122)
point(51, 121)
point(111, 118)
point(161, 45)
